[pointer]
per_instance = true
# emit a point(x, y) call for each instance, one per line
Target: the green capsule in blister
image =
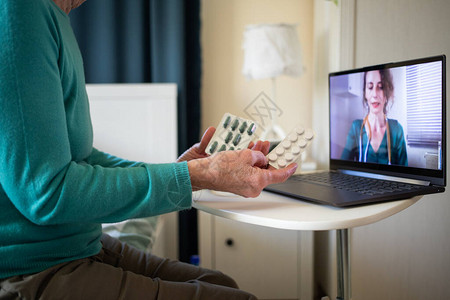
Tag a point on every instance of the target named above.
point(227, 121)
point(223, 148)
point(243, 126)
point(235, 124)
point(237, 139)
point(228, 137)
point(213, 147)
point(251, 129)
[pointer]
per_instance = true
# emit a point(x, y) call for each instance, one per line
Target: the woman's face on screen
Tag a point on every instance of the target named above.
point(374, 92)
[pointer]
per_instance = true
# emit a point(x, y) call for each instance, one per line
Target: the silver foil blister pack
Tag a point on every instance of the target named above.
point(232, 133)
point(291, 147)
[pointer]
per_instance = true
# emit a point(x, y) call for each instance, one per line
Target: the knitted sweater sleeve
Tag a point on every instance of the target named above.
point(108, 160)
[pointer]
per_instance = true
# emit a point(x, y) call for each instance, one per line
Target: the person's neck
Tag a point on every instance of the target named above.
point(377, 120)
point(65, 5)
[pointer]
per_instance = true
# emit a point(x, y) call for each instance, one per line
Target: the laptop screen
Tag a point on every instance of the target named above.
point(390, 119)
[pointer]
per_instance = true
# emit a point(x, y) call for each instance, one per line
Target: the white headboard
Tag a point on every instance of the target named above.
point(135, 121)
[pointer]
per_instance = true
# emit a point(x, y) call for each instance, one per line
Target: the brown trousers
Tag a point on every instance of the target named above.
point(123, 272)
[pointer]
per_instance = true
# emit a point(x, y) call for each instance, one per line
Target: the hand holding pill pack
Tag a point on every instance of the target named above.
point(289, 149)
point(232, 133)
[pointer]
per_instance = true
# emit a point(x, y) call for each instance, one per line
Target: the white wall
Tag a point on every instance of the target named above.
point(224, 87)
point(406, 256)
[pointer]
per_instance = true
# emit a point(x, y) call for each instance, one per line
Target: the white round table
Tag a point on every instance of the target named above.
point(277, 211)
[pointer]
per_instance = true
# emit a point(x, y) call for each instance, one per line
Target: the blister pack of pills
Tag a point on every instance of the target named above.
point(289, 149)
point(232, 133)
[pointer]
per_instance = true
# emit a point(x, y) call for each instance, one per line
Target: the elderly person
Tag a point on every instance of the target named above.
point(56, 189)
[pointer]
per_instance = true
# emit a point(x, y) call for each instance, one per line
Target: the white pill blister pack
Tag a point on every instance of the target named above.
point(232, 133)
point(289, 149)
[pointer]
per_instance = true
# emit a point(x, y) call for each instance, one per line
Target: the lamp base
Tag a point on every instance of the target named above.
point(273, 133)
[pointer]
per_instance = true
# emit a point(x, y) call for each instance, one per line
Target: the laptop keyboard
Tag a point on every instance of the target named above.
point(362, 185)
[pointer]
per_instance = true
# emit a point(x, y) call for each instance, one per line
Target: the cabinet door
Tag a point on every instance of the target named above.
point(262, 260)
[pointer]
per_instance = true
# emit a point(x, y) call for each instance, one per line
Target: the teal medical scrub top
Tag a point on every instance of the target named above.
point(398, 145)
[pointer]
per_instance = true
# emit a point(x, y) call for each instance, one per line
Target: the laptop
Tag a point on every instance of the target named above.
point(387, 136)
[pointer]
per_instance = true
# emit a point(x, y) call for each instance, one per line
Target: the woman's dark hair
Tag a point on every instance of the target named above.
point(388, 88)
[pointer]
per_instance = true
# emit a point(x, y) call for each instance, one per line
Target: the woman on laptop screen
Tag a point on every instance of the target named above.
point(375, 138)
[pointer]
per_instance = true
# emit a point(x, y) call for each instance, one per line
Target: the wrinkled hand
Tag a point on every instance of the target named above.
point(260, 146)
point(199, 149)
point(243, 172)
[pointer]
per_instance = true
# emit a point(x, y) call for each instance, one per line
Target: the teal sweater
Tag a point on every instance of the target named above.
point(55, 188)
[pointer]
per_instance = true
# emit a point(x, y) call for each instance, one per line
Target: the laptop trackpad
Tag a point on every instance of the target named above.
point(314, 192)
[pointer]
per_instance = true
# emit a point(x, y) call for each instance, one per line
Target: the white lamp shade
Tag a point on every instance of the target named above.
point(271, 50)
